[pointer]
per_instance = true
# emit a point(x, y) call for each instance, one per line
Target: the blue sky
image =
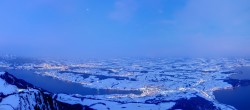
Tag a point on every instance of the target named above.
point(125, 27)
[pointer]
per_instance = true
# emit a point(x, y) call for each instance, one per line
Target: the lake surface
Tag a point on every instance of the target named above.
point(238, 97)
point(242, 73)
point(58, 86)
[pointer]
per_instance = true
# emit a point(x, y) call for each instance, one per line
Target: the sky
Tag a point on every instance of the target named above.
point(118, 28)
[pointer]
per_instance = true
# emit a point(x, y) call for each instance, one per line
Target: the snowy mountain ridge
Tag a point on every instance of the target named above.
point(16, 94)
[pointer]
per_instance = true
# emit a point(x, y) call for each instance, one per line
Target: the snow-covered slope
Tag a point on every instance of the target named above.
point(16, 94)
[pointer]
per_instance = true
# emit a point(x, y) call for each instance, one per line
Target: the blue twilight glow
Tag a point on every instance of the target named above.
point(125, 27)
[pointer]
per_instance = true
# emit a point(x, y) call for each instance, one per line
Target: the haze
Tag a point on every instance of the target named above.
point(94, 28)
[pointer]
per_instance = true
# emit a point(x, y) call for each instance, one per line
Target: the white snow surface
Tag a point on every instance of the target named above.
point(173, 79)
point(6, 88)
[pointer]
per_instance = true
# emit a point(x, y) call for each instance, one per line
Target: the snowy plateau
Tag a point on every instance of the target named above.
point(126, 83)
